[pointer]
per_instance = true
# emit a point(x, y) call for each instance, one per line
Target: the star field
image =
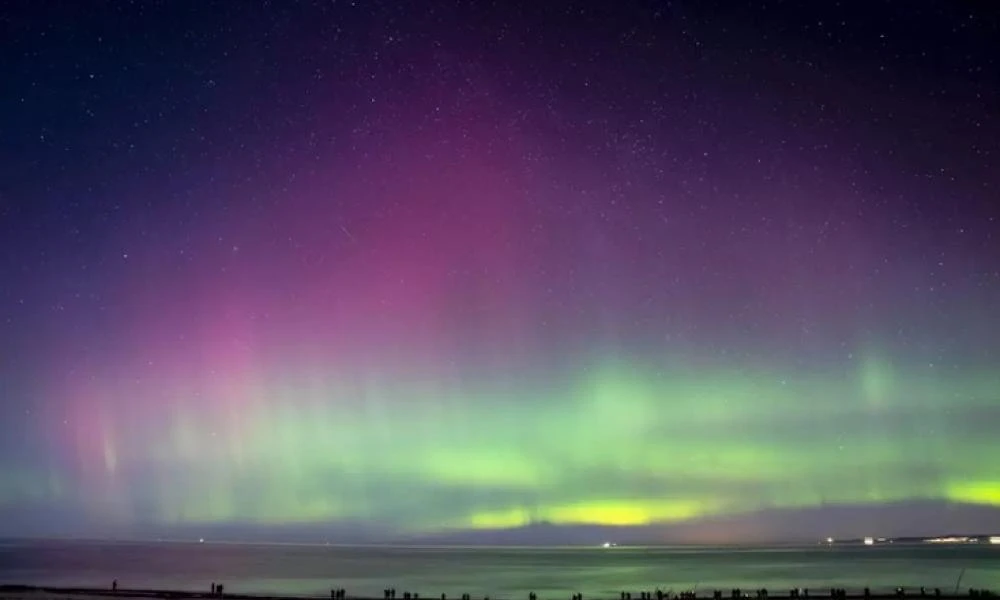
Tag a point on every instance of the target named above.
point(396, 269)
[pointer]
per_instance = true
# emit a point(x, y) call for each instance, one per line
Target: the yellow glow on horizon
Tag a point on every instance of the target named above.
point(626, 512)
point(976, 492)
point(610, 512)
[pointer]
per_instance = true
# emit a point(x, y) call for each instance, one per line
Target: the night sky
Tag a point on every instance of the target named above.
point(373, 270)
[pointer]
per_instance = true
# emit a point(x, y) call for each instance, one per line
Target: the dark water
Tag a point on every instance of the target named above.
point(497, 572)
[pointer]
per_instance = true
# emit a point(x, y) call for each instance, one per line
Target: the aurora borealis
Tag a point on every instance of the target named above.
point(386, 270)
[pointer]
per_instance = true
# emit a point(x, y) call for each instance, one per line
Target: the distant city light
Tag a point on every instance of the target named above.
point(869, 541)
point(829, 540)
point(995, 539)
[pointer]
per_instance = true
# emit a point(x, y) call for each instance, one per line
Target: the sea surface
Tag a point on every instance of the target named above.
point(554, 573)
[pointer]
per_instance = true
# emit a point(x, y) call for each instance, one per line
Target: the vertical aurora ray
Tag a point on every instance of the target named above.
point(411, 373)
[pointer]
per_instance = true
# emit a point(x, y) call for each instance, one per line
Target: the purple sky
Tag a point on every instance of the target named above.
point(404, 269)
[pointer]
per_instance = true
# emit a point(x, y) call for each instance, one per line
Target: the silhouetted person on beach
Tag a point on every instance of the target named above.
point(219, 588)
point(114, 585)
point(937, 592)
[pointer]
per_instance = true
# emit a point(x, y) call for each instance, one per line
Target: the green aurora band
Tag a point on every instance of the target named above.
point(614, 445)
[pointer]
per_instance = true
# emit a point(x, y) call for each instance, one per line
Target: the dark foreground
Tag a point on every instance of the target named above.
point(28, 592)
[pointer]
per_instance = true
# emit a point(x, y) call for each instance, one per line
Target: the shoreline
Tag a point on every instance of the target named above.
point(35, 592)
